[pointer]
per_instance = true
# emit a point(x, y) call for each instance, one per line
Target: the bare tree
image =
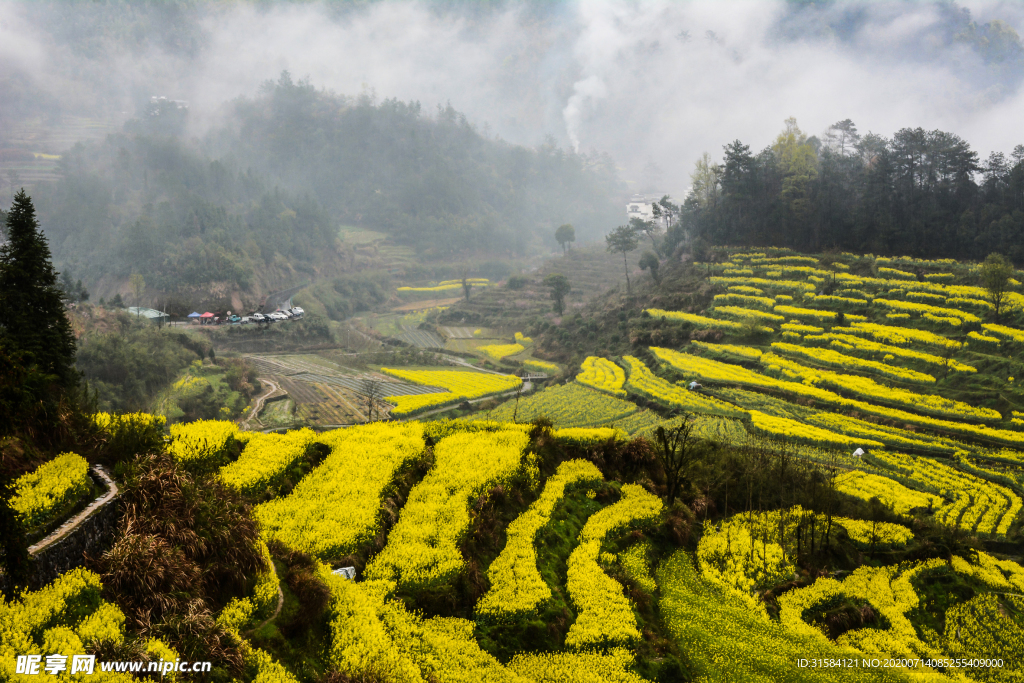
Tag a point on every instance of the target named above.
point(679, 449)
point(373, 391)
point(138, 285)
point(519, 393)
point(466, 284)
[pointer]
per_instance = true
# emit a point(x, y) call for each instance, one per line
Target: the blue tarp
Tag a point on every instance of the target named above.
point(193, 314)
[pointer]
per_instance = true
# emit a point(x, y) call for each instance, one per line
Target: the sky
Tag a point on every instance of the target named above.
point(653, 84)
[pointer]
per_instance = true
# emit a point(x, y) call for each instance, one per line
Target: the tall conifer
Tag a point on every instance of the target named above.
point(32, 318)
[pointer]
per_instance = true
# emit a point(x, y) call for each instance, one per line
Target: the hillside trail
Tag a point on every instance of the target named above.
point(277, 610)
point(71, 524)
point(260, 401)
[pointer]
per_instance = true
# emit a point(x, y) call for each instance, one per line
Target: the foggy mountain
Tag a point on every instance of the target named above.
point(653, 84)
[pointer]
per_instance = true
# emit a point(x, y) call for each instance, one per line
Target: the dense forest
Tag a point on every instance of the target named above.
point(920, 193)
point(263, 196)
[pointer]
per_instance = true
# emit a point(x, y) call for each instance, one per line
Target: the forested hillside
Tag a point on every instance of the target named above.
point(925, 193)
point(432, 181)
point(257, 204)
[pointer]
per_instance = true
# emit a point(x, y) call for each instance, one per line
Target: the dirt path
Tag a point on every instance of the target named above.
point(277, 611)
point(460, 361)
point(260, 401)
point(420, 416)
point(70, 525)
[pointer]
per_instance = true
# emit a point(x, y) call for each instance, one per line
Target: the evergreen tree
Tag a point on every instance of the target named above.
point(32, 319)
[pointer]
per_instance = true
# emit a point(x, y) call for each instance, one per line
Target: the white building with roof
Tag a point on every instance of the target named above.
point(641, 206)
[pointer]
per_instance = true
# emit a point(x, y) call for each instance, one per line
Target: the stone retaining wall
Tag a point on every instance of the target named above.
point(90, 531)
point(93, 535)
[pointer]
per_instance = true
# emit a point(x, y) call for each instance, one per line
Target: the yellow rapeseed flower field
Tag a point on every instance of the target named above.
point(605, 615)
point(422, 547)
point(603, 375)
point(516, 583)
point(336, 507)
point(461, 386)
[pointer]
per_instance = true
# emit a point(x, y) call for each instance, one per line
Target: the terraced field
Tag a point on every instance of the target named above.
point(325, 394)
point(707, 599)
point(591, 272)
point(33, 146)
point(567, 405)
point(420, 338)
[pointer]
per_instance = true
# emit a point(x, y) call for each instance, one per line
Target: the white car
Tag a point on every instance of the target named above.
point(277, 316)
point(297, 311)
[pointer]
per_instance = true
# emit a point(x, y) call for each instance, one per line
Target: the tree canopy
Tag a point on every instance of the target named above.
point(560, 286)
point(263, 196)
point(649, 261)
point(565, 234)
point(996, 272)
point(921, 193)
point(622, 239)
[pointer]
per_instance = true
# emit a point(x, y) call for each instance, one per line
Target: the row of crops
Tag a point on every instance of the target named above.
point(708, 604)
point(875, 373)
point(460, 386)
point(336, 508)
point(735, 559)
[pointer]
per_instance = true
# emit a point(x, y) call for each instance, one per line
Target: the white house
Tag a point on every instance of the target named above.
point(640, 206)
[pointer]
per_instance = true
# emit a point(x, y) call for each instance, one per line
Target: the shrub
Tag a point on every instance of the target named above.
point(129, 434)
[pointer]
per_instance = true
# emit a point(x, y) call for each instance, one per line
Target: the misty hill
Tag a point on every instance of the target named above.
point(257, 204)
point(433, 182)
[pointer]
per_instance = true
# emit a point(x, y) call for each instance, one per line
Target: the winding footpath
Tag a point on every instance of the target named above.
point(257, 406)
point(72, 523)
point(280, 604)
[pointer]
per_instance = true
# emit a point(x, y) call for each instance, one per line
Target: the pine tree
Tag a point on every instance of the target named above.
point(32, 319)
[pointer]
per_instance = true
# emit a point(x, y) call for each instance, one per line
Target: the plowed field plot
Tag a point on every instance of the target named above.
point(348, 408)
point(457, 332)
point(421, 339)
point(321, 371)
point(333, 411)
point(301, 392)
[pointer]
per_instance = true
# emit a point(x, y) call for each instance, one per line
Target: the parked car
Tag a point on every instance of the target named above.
point(278, 316)
point(235, 319)
point(259, 318)
point(297, 311)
